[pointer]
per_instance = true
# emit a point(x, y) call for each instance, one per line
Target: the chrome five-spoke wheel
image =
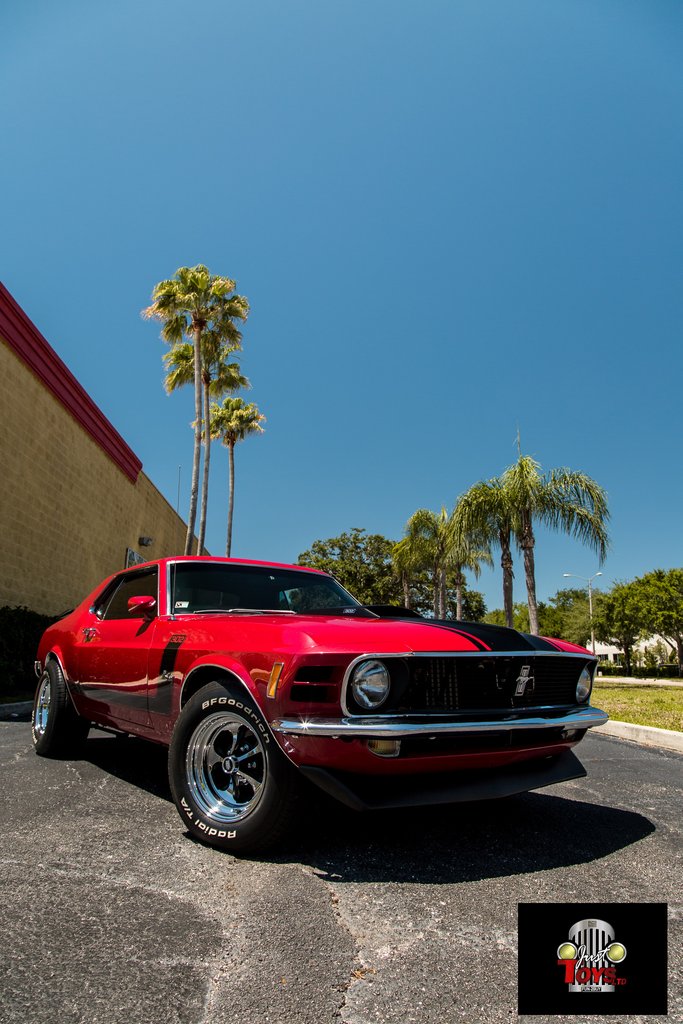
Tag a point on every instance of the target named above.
point(230, 781)
point(41, 708)
point(226, 767)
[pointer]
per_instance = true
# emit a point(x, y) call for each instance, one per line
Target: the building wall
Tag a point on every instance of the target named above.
point(72, 500)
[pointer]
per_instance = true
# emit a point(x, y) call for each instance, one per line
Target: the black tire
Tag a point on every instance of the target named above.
point(57, 730)
point(232, 785)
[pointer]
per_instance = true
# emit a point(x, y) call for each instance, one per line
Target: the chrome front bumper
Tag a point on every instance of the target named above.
point(396, 726)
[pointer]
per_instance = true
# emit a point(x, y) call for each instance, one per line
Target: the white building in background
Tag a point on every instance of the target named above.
point(664, 651)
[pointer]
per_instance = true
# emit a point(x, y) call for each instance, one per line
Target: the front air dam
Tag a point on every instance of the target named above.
point(362, 793)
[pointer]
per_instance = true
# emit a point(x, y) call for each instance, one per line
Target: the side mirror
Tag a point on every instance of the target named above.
point(143, 606)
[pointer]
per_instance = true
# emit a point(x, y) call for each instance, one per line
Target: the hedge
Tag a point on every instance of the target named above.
point(639, 672)
point(20, 633)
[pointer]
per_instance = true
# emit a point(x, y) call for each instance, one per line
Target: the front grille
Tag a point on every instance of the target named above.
point(444, 685)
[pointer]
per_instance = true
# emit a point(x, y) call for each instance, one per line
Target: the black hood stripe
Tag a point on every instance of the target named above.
point(493, 638)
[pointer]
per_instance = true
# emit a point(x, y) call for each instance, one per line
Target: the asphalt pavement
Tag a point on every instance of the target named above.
point(111, 913)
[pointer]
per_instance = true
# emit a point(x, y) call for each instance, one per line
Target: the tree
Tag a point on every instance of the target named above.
point(361, 561)
point(218, 377)
point(465, 554)
point(232, 421)
point(562, 500)
point(662, 592)
point(407, 566)
point(432, 542)
point(485, 511)
point(520, 617)
point(619, 618)
point(188, 304)
point(428, 538)
point(473, 606)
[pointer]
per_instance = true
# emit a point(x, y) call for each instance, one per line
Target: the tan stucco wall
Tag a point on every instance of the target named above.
point(67, 512)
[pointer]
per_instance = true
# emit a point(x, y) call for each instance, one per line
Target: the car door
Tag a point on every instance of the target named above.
point(113, 648)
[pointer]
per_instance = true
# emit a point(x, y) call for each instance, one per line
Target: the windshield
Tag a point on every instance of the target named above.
point(197, 587)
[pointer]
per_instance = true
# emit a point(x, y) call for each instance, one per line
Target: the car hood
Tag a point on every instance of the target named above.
point(347, 634)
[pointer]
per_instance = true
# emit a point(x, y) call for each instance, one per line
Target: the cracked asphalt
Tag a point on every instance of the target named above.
point(111, 913)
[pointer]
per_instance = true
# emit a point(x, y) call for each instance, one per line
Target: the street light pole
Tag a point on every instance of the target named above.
point(589, 581)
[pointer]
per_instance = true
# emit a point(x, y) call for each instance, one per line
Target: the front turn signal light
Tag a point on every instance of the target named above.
point(275, 673)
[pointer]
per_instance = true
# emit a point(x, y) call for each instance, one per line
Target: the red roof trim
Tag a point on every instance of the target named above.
point(24, 338)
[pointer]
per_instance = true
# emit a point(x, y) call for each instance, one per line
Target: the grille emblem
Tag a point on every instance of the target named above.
point(524, 680)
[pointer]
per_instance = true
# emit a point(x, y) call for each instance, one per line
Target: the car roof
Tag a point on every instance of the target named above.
point(214, 559)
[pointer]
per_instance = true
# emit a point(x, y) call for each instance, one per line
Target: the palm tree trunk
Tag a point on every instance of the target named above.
point(508, 575)
point(231, 497)
point(459, 580)
point(437, 590)
point(527, 546)
point(197, 454)
point(205, 478)
point(406, 589)
point(442, 594)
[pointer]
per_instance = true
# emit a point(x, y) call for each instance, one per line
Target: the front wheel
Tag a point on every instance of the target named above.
point(231, 783)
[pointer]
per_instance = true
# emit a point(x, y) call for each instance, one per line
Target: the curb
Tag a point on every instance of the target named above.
point(645, 735)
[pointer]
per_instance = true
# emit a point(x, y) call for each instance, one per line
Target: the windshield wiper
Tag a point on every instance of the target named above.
point(242, 611)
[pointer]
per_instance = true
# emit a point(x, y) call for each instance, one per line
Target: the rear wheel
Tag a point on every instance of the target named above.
point(231, 783)
point(56, 728)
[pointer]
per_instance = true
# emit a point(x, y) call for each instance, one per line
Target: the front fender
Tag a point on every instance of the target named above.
point(199, 673)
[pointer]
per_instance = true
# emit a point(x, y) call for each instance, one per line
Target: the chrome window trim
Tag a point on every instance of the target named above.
point(116, 582)
point(169, 603)
point(449, 654)
point(247, 565)
point(395, 726)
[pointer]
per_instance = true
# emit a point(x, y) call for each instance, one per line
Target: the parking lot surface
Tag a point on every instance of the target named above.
point(111, 913)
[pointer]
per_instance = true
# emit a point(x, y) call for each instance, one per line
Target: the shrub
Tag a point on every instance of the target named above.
point(20, 633)
point(607, 668)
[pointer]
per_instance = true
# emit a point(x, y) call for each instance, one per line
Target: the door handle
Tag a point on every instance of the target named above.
point(90, 633)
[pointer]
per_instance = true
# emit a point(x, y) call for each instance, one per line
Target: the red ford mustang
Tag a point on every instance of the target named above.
point(256, 674)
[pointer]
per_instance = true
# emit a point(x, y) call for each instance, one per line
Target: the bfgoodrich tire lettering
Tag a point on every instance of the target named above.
point(231, 783)
point(56, 728)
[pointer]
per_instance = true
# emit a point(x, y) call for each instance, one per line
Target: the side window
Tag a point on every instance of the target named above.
point(138, 585)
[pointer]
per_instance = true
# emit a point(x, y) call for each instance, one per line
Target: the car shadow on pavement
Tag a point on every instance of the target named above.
point(138, 762)
point(456, 843)
point(463, 842)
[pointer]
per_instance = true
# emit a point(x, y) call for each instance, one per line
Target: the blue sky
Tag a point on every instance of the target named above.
point(451, 219)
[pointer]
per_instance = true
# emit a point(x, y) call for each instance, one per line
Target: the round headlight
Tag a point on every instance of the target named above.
point(584, 686)
point(370, 684)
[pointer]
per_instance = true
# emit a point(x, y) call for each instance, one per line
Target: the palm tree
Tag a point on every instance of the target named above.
point(426, 543)
point(232, 421)
point(218, 377)
point(562, 500)
point(188, 304)
point(466, 552)
point(485, 511)
point(406, 563)
point(431, 542)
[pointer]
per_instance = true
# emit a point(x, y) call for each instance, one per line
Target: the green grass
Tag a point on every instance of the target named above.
point(661, 706)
